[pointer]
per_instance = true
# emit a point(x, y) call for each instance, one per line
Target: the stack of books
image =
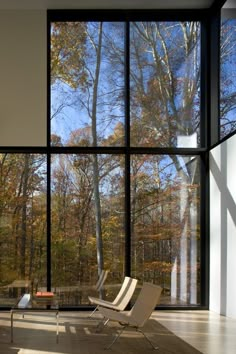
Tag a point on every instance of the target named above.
point(44, 296)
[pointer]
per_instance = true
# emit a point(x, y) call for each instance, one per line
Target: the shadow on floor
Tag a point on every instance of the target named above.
point(77, 334)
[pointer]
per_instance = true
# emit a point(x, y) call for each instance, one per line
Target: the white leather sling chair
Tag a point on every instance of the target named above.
point(146, 301)
point(122, 299)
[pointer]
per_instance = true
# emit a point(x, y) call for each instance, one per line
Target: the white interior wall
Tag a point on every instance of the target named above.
point(223, 228)
point(23, 90)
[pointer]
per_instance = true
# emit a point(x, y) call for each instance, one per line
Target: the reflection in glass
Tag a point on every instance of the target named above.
point(165, 83)
point(165, 225)
point(228, 73)
point(22, 225)
point(87, 224)
point(87, 83)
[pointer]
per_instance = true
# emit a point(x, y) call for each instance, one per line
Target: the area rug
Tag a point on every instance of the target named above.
point(131, 342)
point(78, 335)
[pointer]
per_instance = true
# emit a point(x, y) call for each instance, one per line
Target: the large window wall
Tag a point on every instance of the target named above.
point(125, 100)
point(120, 183)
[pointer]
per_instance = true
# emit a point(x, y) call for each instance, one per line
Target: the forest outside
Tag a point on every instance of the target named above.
point(164, 224)
point(95, 105)
point(110, 109)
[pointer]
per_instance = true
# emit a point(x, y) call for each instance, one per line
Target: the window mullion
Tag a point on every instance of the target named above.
point(127, 155)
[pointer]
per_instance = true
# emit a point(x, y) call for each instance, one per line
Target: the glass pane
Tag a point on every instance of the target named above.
point(87, 83)
point(228, 73)
point(165, 225)
point(165, 84)
point(87, 224)
point(22, 225)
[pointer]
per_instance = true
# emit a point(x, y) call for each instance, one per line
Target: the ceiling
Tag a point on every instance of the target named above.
point(103, 4)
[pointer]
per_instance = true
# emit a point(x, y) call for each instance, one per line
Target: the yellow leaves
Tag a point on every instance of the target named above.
point(67, 52)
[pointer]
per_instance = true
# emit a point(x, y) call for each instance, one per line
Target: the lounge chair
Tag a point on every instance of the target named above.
point(141, 311)
point(122, 299)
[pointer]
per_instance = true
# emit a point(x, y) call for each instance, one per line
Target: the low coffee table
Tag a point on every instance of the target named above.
point(29, 303)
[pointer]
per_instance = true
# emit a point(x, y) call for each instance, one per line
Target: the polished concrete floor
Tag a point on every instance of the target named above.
point(204, 330)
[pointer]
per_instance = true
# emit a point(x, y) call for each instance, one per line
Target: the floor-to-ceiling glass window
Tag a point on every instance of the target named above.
point(87, 189)
point(119, 91)
point(119, 184)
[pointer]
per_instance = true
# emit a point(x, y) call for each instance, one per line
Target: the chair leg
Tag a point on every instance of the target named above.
point(116, 337)
point(101, 325)
point(153, 346)
point(91, 314)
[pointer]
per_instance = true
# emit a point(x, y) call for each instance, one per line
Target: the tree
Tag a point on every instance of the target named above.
point(67, 53)
point(96, 99)
point(227, 76)
point(71, 217)
point(164, 97)
point(165, 112)
point(165, 69)
point(22, 222)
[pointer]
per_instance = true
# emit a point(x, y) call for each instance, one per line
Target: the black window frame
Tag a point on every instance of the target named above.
point(203, 17)
point(210, 35)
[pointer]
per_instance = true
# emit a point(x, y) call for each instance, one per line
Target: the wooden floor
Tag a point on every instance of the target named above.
point(206, 331)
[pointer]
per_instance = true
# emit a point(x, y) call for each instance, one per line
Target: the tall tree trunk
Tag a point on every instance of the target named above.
point(95, 158)
point(32, 246)
point(24, 215)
